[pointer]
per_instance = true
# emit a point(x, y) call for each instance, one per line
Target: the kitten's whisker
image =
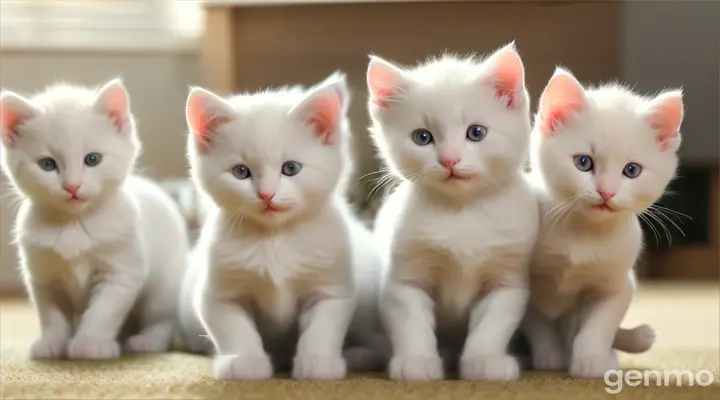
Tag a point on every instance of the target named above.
point(233, 215)
point(381, 171)
point(562, 211)
point(662, 225)
point(652, 227)
point(670, 210)
point(662, 214)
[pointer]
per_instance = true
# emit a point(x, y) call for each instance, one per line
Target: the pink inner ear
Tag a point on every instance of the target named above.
point(325, 115)
point(115, 102)
point(508, 77)
point(8, 123)
point(562, 97)
point(383, 83)
point(202, 122)
point(666, 118)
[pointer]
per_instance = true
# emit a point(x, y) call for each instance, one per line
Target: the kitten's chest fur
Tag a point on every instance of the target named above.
point(458, 255)
point(567, 265)
point(277, 275)
point(79, 237)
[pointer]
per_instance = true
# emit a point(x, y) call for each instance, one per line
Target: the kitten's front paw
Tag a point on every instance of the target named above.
point(593, 366)
point(316, 367)
point(235, 367)
point(549, 360)
point(146, 344)
point(93, 348)
point(416, 368)
point(49, 346)
point(490, 368)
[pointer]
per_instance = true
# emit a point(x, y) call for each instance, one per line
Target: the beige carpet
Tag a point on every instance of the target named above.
point(686, 318)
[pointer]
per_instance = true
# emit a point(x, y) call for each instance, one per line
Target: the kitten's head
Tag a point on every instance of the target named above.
point(68, 146)
point(271, 156)
point(606, 148)
point(456, 125)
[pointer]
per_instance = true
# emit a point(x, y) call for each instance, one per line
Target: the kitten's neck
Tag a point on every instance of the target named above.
point(584, 224)
point(248, 225)
point(59, 216)
point(460, 198)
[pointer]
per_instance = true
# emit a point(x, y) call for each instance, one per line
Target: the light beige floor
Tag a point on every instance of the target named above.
point(686, 319)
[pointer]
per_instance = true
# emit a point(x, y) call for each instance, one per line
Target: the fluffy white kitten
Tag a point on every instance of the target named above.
point(457, 234)
point(603, 156)
point(280, 259)
point(100, 250)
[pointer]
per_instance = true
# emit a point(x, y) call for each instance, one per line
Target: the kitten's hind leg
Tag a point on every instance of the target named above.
point(154, 338)
point(546, 348)
point(156, 313)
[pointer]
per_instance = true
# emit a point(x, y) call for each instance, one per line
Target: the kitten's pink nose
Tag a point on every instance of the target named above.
point(266, 197)
point(606, 195)
point(449, 163)
point(72, 189)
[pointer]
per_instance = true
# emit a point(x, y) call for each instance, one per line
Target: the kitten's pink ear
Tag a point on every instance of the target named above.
point(204, 112)
point(665, 114)
point(325, 107)
point(562, 98)
point(113, 100)
point(14, 109)
point(507, 74)
point(385, 81)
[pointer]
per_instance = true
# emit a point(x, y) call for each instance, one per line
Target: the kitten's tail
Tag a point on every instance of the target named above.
point(636, 340)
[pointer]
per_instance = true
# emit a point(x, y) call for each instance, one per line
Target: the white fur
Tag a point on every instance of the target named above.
point(582, 268)
point(261, 274)
point(93, 270)
point(455, 253)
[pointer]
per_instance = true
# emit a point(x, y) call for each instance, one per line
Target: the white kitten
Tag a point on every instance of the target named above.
point(101, 252)
point(604, 156)
point(280, 248)
point(457, 234)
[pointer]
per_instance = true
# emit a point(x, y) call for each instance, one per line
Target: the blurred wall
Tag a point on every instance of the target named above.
point(157, 83)
point(677, 43)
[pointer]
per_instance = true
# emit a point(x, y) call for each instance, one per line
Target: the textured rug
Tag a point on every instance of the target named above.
point(686, 318)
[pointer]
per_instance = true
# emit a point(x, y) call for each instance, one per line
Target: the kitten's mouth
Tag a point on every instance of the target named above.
point(602, 207)
point(76, 200)
point(269, 209)
point(454, 176)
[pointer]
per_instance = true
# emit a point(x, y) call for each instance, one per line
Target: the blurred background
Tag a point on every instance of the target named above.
point(161, 47)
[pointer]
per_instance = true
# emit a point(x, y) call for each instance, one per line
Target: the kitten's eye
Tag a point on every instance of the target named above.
point(240, 171)
point(47, 164)
point(583, 162)
point(93, 159)
point(632, 170)
point(290, 168)
point(476, 133)
point(422, 137)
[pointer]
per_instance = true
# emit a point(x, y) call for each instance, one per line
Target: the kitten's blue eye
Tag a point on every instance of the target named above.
point(47, 164)
point(476, 133)
point(241, 171)
point(290, 168)
point(632, 170)
point(422, 137)
point(93, 159)
point(583, 162)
